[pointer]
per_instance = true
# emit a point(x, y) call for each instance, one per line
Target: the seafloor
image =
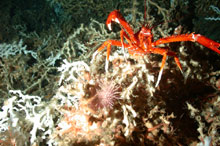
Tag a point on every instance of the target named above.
point(55, 89)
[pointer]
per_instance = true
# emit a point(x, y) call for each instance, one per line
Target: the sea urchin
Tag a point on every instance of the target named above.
point(106, 95)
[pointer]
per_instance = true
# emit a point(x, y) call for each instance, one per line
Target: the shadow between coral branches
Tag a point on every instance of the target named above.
point(176, 94)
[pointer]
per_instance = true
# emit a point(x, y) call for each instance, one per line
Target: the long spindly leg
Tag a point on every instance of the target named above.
point(122, 35)
point(165, 52)
point(133, 49)
point(108, 45)
point(190, 37)
point(161, 68)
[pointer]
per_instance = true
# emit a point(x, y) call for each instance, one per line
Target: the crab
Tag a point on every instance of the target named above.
point(142, 43)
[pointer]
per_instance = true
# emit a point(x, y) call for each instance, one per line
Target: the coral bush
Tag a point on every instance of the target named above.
point(55, 90)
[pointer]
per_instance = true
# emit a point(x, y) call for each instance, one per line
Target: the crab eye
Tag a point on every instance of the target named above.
point(145, 31)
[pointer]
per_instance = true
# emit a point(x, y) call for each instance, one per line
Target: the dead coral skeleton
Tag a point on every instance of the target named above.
point(75, 123)
point(210, 136)
point(10, 138)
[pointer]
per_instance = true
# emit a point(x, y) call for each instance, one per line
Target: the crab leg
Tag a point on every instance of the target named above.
point(133, 49)
point(165, 52)
point(108, 45)
point(193, 38)
point(122, 35)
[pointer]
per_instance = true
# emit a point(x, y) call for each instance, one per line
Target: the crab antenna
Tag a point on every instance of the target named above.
point(145, 11)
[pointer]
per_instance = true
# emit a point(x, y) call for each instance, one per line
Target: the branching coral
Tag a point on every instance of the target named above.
point(59, 63)
point(29, 115)
point(209, 134)
point(217, 10)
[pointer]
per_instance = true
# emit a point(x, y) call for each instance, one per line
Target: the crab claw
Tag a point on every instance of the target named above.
point(114, 16)
point(207, 42)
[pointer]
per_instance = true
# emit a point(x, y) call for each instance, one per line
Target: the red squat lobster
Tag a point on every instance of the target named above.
point(141, 42)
